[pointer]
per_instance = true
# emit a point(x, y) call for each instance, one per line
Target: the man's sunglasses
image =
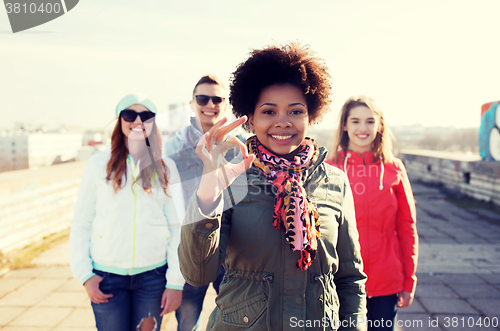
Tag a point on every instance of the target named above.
point(130, 115)
point(202, 100)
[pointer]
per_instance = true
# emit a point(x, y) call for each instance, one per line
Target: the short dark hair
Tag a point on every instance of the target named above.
point(209, 79)
point(293, 64)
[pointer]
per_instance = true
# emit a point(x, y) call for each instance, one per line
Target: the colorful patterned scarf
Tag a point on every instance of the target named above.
point(293, 213)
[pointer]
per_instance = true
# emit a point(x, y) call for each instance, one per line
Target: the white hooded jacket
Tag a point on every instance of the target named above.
point(127, 232)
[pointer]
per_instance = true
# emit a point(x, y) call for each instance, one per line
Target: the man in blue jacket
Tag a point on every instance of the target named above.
point(210, 105)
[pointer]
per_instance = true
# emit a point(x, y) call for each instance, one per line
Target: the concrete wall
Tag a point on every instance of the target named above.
point(36, 203)
point(463, 173)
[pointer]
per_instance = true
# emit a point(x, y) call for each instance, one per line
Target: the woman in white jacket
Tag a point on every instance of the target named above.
point(126, 227)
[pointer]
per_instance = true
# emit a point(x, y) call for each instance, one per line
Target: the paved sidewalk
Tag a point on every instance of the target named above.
point(458, 278)
point(458, 271)
point(47, 297)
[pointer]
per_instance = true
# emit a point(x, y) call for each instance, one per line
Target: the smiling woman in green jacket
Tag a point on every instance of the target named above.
point(290, 246)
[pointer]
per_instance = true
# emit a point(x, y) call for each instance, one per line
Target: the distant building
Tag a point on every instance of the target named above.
point(23, 150)
point(92, 137)
point(13, 150)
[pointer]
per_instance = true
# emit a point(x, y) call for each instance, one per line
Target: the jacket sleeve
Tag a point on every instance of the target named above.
point(406, 227)
point(174, 212)
point(350, 278)
point(81, 225)
point(203, 242)
point(170, 147)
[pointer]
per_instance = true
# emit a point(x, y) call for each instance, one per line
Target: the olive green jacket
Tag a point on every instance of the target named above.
point(263, 289)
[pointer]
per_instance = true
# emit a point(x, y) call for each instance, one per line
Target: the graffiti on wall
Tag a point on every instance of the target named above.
point(489, 132)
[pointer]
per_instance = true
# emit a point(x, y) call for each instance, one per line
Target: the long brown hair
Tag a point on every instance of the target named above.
point(117, 164)
point(381, 146)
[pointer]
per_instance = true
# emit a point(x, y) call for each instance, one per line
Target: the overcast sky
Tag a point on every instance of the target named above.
point(429, 62)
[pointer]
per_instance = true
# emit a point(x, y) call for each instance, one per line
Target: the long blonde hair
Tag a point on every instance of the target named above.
point(381, 146)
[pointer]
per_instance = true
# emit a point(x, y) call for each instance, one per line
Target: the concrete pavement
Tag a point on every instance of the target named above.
point(458, 271)
point(458, 278)
point(47, 297)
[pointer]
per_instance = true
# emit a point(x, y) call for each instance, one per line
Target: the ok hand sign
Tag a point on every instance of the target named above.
point(218, 174)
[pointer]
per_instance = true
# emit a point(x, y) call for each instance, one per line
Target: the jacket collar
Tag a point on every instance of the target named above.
point(356, 158)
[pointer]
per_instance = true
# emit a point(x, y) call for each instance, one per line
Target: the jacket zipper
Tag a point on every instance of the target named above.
point(135, 214)
point(367, 204)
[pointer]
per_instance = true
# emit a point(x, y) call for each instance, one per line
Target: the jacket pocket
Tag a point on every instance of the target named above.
point(161, 271)
point(100, 273)
point(246, 312)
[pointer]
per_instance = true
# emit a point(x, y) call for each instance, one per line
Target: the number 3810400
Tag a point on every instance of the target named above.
point(32, 8)
point(470, 322)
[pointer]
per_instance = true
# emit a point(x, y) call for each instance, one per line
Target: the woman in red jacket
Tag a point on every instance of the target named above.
point(385, 209)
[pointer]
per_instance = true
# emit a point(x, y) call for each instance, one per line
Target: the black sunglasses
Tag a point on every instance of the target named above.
point(130, 115)
point(202, 100)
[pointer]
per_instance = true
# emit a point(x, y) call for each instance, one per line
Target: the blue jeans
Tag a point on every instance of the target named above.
point(188, 314)
point(382, 312)
point(134, 298)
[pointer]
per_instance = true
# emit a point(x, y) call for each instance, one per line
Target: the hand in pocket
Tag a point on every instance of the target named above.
point(95, 294)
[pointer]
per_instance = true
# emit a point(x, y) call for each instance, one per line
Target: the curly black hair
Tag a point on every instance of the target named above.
point(293, 64)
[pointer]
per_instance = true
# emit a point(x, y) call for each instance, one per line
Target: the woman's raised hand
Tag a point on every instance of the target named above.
point(218, 174)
